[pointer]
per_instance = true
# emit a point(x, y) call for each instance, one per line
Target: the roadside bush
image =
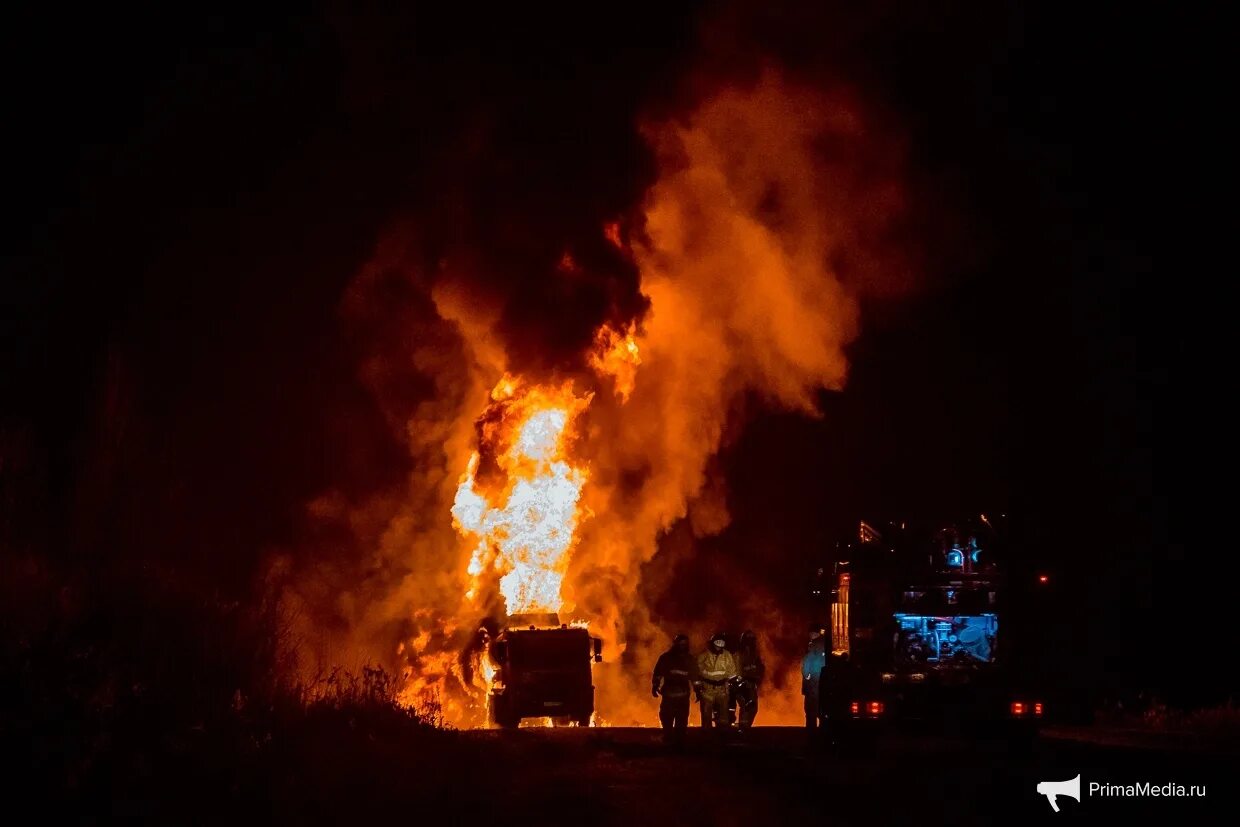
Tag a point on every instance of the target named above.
point(129, 696)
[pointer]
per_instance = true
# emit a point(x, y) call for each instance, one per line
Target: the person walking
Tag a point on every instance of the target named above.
point(715, 667)
point(671, 683)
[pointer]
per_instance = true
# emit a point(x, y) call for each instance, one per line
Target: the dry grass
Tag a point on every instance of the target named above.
point(140, 698)
point(1151, 713)
point(1222, 719)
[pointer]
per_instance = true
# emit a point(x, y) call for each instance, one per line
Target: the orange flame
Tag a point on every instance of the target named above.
point(617, 355)
point(525, 529)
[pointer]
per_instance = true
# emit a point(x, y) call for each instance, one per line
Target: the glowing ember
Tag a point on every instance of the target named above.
point(526, 525)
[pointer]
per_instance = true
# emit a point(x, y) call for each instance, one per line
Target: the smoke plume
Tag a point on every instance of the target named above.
point(626, 358)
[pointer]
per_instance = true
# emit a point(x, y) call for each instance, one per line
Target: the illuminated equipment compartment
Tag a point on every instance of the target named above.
point(937, 640)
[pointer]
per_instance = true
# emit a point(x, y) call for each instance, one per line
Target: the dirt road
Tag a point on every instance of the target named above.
point(346, 770)
point(627, 776)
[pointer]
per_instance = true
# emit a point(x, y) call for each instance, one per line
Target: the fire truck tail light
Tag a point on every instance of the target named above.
point(1037, 709)
point(855, 707)
point(1018, 708)
point(876, 707)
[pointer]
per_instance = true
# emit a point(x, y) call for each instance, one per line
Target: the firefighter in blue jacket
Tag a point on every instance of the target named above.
point(811, 674)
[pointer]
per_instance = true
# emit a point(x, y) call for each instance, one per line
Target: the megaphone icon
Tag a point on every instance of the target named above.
point(1070, 788)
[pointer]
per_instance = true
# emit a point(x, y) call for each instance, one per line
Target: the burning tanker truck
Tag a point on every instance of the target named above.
point(543, 670)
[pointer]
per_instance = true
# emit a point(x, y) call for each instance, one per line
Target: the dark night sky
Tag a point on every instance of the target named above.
point(194, 189)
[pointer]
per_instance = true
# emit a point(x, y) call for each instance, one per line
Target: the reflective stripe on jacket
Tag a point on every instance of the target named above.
point(715, 670)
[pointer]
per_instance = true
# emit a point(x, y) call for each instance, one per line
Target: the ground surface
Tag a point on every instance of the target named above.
point(627, 776)
point(343, 768)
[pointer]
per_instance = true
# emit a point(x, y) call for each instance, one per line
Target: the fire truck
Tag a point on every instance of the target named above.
point(920, 635)
point(543, 670)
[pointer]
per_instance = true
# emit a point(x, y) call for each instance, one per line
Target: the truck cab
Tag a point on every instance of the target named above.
point(543, 672)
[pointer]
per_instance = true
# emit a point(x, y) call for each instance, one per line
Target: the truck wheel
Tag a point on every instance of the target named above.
point(583, 720)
